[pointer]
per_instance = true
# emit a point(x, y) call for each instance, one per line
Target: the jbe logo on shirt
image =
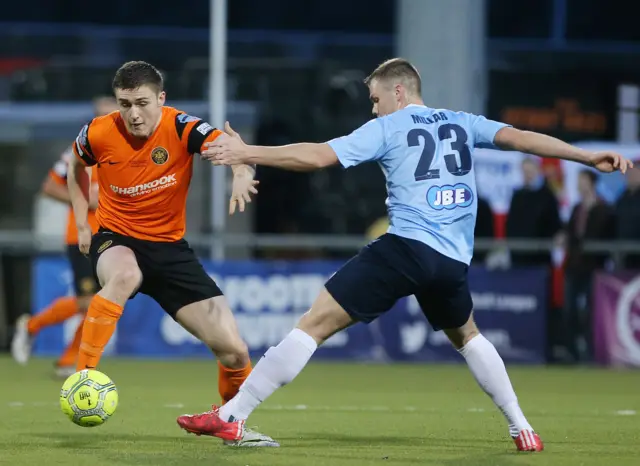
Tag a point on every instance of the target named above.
point(449, 197)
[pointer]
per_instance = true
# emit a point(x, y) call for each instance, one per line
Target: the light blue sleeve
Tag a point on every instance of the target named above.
point(485, 130)
point(365, 144)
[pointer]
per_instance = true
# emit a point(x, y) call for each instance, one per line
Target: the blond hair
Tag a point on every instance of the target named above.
point(397, 69)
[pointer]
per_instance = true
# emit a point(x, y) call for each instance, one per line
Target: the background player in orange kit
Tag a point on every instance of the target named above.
point(85, 286)
point(144, 154)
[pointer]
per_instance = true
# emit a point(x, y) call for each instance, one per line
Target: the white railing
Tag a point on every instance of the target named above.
point(27, 241)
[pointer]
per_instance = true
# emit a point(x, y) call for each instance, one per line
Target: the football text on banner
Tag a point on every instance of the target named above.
point(616, 320)
point(268, 298)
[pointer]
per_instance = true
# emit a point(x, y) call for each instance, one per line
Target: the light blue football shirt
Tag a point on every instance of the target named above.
point(426, 157)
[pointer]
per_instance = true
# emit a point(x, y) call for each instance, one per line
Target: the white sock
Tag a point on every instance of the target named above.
point(279, 366)
point(487, 367)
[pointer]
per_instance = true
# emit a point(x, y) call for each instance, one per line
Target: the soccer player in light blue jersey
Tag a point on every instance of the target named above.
point(426, 155)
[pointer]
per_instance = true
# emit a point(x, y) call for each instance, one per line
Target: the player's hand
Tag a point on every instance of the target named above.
point(609, 161)
point(84, 238)
point(243, 186)
point(226, 149)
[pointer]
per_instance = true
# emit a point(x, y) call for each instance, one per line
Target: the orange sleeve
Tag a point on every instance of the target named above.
point(82, 148)
point(194, 132)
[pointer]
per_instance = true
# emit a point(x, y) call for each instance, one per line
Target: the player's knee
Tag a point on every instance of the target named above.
point(125, 280)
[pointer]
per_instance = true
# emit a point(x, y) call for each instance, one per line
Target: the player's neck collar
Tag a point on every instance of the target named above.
point(416, 105)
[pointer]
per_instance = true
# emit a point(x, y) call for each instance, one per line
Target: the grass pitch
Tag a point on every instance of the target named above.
point(333, 414)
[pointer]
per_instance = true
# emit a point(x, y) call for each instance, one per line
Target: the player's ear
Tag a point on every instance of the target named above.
point(162, 98)
point(397, 90)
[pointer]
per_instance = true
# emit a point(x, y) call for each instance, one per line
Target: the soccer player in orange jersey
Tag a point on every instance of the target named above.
point(144, 157)
point(27, 326)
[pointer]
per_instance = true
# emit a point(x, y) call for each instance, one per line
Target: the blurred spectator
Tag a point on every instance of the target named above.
point(627, 225)
point(591, 219)
point(533, 213)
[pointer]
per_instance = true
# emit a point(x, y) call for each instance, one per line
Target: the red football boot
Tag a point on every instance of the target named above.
point(528, 440)
point(210, 423)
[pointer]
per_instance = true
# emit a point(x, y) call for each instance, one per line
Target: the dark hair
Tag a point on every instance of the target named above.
point(398, 69)
point(593, 176)
point(135, 74)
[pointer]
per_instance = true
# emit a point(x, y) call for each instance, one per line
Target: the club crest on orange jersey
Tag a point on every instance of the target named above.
point(159, 155)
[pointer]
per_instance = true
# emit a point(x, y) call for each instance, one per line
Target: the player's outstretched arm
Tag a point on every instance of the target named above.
point(230, 149)
point(305, 156)
point(546, 146)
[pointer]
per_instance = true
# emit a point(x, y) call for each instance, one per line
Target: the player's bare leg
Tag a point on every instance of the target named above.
point(120, 277)
point(489, 370)
point(279, 366)
point(212, 322)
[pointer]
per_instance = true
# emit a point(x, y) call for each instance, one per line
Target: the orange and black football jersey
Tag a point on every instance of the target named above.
point(144, 182)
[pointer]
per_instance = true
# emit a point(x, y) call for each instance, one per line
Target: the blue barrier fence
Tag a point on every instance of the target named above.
point(269, 297)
